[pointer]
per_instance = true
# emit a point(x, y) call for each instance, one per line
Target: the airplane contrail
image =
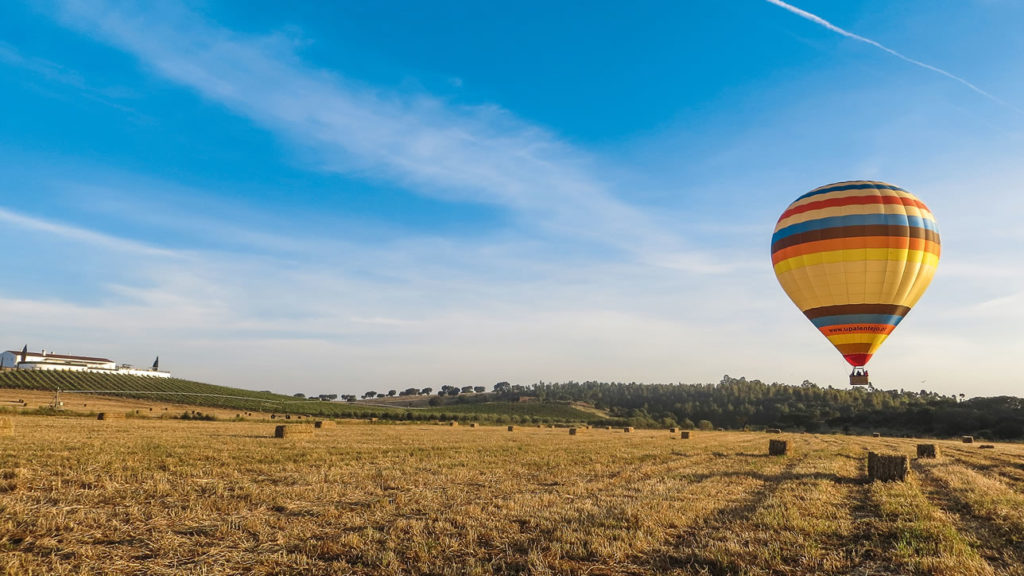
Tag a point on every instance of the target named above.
point(826, 24)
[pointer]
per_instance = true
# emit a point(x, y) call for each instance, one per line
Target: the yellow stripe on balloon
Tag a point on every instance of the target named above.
point(857, 255)
point(873, 339)
point(895, 282)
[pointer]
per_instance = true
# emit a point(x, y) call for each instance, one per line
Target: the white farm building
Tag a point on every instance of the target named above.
point(25, 360)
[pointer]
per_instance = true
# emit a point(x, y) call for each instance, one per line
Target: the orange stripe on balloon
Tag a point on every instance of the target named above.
point(863, 348)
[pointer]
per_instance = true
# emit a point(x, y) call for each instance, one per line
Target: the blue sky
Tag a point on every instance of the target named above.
point(335, 197)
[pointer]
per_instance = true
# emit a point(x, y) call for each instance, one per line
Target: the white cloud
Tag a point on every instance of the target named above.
point(479, 313)
point(81, 234)
point(479, 154)
point(830, 26)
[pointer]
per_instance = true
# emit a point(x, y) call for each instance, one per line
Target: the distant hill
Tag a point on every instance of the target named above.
point(736, 403)
point(177, 390)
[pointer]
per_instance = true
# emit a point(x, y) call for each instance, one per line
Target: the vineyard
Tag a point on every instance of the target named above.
point(174, 390)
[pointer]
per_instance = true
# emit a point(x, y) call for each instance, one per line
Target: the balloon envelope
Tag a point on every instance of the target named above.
point(855, 257)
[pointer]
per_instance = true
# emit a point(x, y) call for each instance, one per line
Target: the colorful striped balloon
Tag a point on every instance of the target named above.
point(855, 257)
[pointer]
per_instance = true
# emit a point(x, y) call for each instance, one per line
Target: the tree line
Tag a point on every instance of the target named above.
point(738, 403)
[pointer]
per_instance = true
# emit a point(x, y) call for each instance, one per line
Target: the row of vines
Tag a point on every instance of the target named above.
point(170, 390)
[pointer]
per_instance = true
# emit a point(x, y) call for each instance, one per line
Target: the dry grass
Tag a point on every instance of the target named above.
point(180, 497)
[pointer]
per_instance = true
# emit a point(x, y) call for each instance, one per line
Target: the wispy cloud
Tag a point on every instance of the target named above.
point(10, 56)
point(82, 235)
point(56, 74)
point(479, 154)
point(830, 26)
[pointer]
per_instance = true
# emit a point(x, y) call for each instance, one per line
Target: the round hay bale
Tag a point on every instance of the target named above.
point(511, 428)
point(627, 429)
point(876, 435)
point(778, 447)
point(110, 416)
point(773, 431)
point(986, 447)
point(684, 435)
point(672, 430)
point(888, 467)
point(572, 431)
point(927, 451)
point(323, 424)
point(967, 439)
point(453, 423)
point(472, 424)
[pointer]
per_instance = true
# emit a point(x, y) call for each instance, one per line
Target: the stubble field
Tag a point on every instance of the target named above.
point(145, 496)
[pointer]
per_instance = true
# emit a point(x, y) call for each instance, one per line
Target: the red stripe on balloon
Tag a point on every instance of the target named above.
point(852, 201)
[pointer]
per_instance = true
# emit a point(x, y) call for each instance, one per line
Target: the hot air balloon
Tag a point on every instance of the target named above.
point(855, 257)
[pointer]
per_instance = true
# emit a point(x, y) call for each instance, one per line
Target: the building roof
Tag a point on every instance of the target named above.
point(61, 356)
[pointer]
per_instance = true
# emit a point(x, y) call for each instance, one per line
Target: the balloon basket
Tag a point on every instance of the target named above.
point(859, 378)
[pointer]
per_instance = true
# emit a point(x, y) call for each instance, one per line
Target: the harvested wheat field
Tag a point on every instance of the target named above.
point(79, 403)
point(139, 496)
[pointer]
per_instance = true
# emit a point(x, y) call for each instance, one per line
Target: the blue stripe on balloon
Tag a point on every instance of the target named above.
point(890, 319)
point(843, 187)
point(856, 220)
